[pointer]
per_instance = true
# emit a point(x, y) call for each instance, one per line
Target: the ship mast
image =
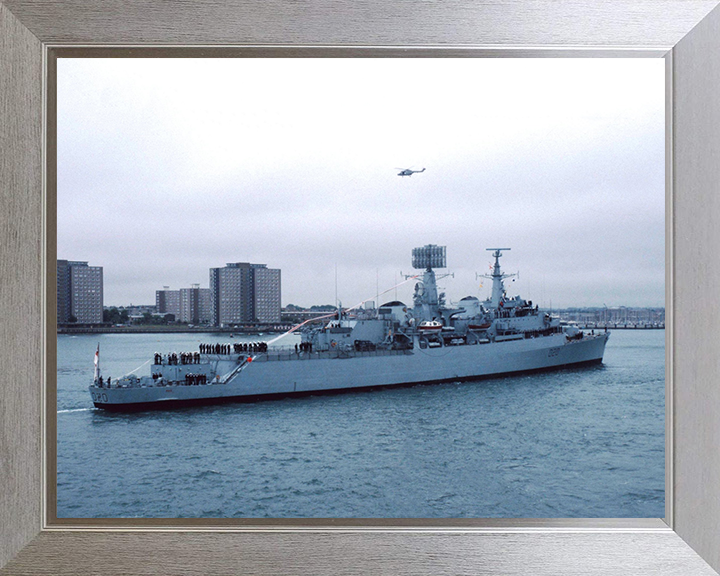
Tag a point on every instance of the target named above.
point(426, 295)
point(498, 288)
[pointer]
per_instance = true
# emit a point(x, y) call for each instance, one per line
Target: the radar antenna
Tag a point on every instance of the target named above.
point(429, 256)
point(427, 301)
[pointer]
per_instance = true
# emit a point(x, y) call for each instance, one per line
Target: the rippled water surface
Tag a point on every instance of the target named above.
point(575, 443)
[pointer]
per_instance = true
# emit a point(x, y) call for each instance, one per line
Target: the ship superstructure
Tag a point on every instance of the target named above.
point(423, 343)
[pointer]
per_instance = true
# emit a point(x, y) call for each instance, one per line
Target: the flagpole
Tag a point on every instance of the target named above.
point(97, 362)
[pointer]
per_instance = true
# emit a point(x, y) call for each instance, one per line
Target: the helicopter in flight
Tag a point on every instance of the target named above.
point(408, 171)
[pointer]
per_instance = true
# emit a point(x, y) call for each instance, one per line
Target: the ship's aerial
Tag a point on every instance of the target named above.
point(428, 342)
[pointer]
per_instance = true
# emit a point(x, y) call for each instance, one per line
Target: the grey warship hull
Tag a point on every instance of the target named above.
point(309, 373)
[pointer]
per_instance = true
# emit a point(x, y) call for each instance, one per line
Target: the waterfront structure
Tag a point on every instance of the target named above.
point(79, 292)
point(266, 296)
point(195, 305)
point(615, 316)
point(190, 305)
point(428, 342)
point(63, 291)
point(168, 301)
point(242, 292)
point(139, 309)
point(297, 315)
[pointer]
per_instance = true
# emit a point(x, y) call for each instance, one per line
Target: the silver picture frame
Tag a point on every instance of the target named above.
point(684, 32)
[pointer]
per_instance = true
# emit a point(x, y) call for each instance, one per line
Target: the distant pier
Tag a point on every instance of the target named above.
point(164, 329)
point(621, 326)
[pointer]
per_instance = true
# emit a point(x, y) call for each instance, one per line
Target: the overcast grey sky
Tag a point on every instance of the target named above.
point(167, 168)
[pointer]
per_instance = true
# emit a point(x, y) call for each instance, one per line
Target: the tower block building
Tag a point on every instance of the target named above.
point(79, 292)
point(242, 292)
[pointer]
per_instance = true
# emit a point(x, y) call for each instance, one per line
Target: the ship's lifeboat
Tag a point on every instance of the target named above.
point(480, 323)
point(430, 326)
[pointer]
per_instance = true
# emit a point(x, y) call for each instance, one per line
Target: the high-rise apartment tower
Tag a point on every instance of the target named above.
point(243, 292)
point(79, 292)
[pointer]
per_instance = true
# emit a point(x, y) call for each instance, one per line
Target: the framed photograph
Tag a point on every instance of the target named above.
point(184, 168)
point(685, 540)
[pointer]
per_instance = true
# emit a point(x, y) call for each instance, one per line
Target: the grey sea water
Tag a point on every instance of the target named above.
point(581, 443)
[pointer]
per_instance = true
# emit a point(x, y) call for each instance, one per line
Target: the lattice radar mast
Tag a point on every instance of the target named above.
point(426, 299)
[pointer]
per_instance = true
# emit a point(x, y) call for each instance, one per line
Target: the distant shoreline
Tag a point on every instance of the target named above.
point(170, 330)
point(252, 331)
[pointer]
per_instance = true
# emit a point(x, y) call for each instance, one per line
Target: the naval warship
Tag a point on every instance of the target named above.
point(400, 345)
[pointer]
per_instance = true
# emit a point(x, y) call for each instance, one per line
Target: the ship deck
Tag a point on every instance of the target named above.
point(290, 355)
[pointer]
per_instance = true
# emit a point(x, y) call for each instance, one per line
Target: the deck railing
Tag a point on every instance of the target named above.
point(275, 355)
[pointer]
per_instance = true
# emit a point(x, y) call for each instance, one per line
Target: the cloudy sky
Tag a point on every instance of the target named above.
point(168, 167)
